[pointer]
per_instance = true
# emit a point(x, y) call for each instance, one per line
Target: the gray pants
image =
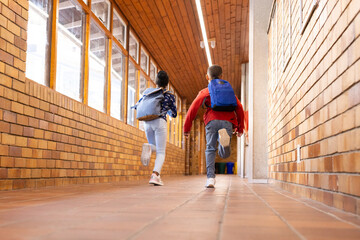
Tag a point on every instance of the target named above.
point(212, 137)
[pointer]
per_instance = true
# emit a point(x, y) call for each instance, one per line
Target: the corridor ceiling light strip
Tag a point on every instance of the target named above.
point(203, 30)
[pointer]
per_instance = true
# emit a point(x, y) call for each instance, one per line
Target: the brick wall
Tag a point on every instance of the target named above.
point(316, 104)
point(48, 139)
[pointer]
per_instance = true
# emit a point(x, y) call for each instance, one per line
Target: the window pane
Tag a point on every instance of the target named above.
point(170, 129)
point(97, 67)
point(117, 83)
point(37, 40)
point(133, 48)
point(144, 61)
point(119, 29)
point(101, 9)
point(152, 84)
point(132, 85)
point(152, 71)
point(172, 133)
point(69, 45)
point(142, 87)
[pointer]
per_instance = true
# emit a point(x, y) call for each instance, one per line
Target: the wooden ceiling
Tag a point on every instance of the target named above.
point(170, 31)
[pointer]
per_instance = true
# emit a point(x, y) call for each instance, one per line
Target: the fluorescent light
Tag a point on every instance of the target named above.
point(203, 30)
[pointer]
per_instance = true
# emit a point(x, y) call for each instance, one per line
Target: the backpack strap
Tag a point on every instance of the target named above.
point(204, 105)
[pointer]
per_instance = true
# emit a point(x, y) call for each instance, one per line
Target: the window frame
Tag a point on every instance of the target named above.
point(109, 20)
point(152, 61)
point(143, 49)
point(116, 11)
point(132, 34)
point(90, 16)
point(51, 37)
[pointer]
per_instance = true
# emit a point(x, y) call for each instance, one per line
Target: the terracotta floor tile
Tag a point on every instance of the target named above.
point(182, 209)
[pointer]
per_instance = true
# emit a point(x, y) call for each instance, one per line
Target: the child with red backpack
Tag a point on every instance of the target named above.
point(152, 109)
point(224, 113)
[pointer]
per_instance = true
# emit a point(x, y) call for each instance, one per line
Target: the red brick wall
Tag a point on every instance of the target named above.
point(48, 139)
point(317, 105)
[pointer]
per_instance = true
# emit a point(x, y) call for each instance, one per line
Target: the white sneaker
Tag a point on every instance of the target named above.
point(156, 180)
point(210, 183)
point(224, 138)
point(146, 154)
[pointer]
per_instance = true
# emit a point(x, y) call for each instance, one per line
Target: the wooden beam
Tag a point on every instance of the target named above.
point(53, 49)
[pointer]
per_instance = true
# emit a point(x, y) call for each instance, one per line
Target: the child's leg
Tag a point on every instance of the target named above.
point(150, 134)
point(224, 152)
point(160, 139)
point(210, 152)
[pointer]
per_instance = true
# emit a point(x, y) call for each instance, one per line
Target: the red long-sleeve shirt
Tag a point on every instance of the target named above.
point(236, 117)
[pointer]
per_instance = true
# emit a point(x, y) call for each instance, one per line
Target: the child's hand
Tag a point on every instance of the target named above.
point(186, 134)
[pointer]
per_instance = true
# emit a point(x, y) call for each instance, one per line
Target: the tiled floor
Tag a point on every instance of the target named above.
point(182, 209)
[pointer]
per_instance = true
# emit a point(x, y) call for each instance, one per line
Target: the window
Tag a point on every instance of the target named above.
point(177, 120)
point(133, 48)
point(170, 129)
point(101, 9)
point(173, 122)
point(142, 87)
point(97, 67)
point(70, 48)
point(152, 71)
point(38, 41)
point(179, 109)
point(152, 84)
point(144, 61)
point(119, 29)
point(117, 83)
point(132, 86)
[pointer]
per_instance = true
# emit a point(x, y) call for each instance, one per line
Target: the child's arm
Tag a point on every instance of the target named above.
point(191, 113)
point(240, 116)
point(172, 106)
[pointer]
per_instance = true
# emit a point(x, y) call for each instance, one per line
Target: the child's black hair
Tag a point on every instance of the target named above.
point(162, 79)
point(214, 71)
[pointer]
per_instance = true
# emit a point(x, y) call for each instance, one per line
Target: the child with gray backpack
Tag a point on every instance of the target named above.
point(152, 109)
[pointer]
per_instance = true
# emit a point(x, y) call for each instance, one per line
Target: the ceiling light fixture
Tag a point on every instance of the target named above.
point(203, 30)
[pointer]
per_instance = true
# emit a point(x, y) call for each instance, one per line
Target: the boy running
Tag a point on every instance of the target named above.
point(218, 125)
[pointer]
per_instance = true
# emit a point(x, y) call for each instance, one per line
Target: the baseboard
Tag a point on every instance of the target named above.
point(257, 180)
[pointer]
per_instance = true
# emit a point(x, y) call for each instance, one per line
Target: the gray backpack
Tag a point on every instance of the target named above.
point(149, 106)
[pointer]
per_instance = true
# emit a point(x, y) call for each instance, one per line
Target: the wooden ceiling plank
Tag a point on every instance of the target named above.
point(196, 31)
point(222, 29)
point(238, 47)
point(160, 57)
point(209, 20)
point(181, 35)
point(216, 20)
point(233, 40)
point(171, 33)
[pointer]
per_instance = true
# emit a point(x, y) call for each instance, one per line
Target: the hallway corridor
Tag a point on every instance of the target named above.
point(182, 209)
